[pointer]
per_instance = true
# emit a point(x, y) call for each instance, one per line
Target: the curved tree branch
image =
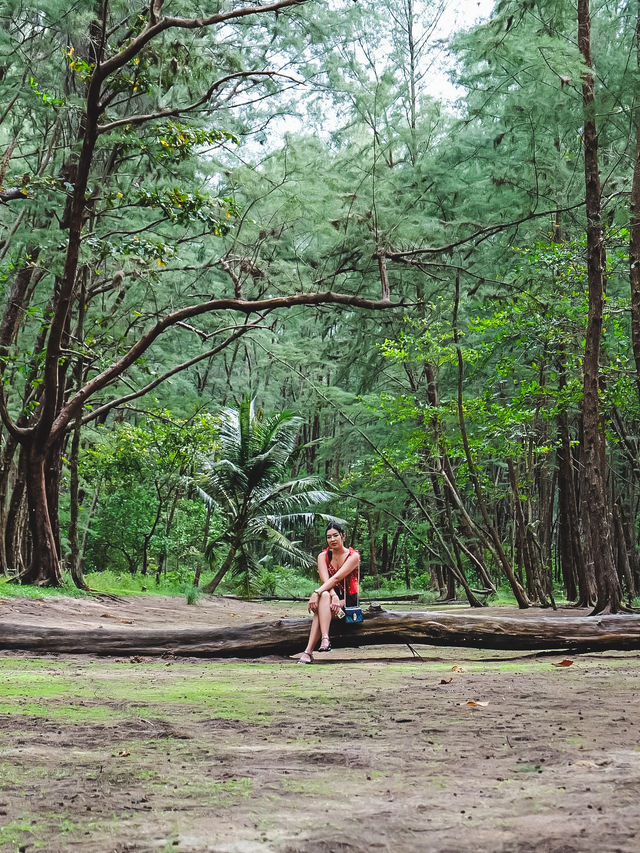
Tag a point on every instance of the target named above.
point(112, 404)
point(158, 24)
point(248, 307)
point(480, 234)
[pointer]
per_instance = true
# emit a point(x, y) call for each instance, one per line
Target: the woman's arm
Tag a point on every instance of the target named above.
point(323, 571)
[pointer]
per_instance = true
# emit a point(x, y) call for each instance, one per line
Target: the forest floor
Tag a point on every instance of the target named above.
point(367, 750)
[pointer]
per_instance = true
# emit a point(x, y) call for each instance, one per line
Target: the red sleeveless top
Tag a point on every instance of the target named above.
point(352, 585)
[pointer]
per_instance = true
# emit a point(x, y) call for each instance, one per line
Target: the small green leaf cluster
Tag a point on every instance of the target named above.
point(48, 99)
point(172, 141)
point(80, 67)
point(189, 208)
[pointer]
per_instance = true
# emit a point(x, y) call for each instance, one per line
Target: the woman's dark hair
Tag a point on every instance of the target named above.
point(335, 526)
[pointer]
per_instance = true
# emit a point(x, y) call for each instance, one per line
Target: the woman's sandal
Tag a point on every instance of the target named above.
point(304, 655)
point(326, 647)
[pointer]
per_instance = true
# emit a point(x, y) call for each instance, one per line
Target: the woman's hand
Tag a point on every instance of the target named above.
point(336, 604)
point(312, 607)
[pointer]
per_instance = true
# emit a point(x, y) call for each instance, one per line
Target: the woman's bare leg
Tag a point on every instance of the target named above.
point(319, 624)
point(314, 633)
point(324, 614)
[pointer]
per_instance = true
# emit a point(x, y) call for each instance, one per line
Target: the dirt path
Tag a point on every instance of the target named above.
point(364, 751)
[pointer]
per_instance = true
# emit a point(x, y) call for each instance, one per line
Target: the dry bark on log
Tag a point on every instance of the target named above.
point(287, 636)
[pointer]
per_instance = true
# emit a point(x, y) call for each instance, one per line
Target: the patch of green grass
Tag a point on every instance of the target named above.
point(323, 785)
point(12, 775)
point(111, 691)
point(122, 583)
point(115, 583)
point(220, 793)
point(14, 832)
point(15, 590)
point(64, 713)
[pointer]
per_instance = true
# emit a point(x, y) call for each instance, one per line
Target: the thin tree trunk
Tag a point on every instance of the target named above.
point(623, 556)
point(92, 509)
point(579, 583)
point(534, 585)
point(6, 474)
point(74, 511)
point(205, 542)
point(634, 233)
point(213, 584)
point(373, 561)
point(517, 589)
point(595, 512)
point(167, 532)
point(453, 500)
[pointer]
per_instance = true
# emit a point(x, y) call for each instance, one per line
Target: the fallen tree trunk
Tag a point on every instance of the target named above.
point(288, 636)
point(413, 596)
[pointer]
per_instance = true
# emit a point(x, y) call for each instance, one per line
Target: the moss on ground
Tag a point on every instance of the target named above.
point(145, 752)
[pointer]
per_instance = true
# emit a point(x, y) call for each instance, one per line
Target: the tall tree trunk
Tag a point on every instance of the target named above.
point(634, 233)
point(529, 561)
point(6, 475)
point(623, 556)
point(595, 511)
point(91, 513)
point(162, 562)
point(74, 511)
point(453, 500)
point(516, 588)
point(44, 567)
point(205, 541)
point(579, 582)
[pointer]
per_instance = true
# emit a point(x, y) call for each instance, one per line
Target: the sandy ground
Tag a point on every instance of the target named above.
point(366, 750)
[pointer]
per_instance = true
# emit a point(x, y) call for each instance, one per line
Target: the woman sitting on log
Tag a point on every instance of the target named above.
point(338, 569)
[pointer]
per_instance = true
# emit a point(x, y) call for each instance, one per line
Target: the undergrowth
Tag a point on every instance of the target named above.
point(280, 582)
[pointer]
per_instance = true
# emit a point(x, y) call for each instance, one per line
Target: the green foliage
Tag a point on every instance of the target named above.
point(145, 518)
point(485, 201)
point(246, 482)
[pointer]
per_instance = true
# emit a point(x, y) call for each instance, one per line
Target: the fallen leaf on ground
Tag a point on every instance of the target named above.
point(457, 668)
point(117, 618)
point(564, 662)
point(446, 680)
point(123, 753)
point(473, 703)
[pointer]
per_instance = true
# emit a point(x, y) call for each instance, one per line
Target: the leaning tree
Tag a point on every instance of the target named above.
point(135, 101)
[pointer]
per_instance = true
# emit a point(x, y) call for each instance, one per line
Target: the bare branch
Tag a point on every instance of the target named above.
point(120, 401)
point(13, 193)
point(158, 24)
point(133, 121)
point(480, 234)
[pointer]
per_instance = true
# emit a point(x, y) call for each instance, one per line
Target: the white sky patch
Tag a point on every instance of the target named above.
point(455, 16)
point(458, 15)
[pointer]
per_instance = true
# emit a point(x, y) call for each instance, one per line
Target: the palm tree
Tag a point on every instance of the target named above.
point(246, 482)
